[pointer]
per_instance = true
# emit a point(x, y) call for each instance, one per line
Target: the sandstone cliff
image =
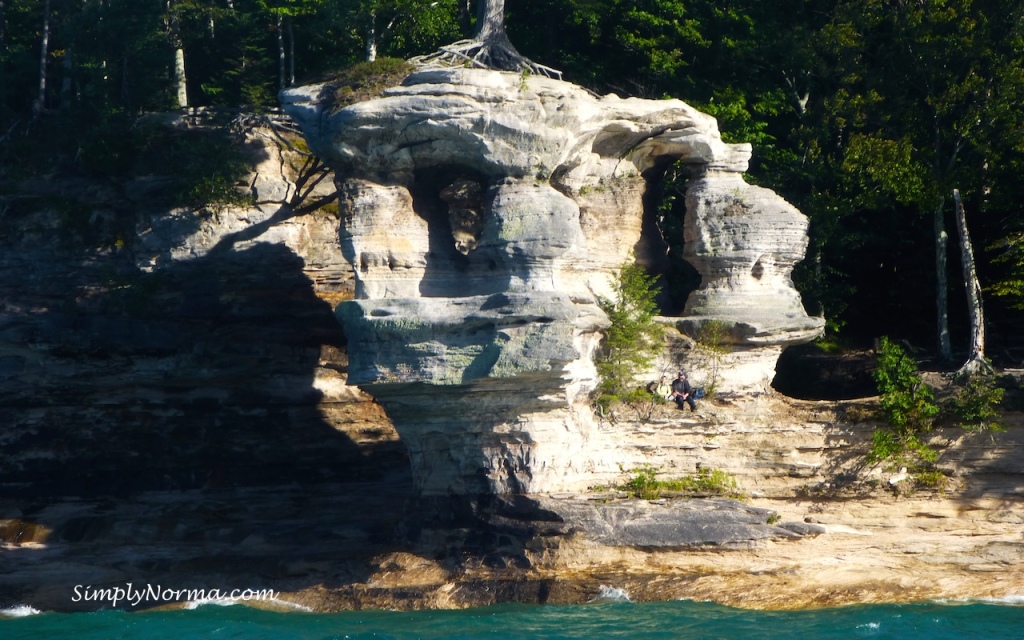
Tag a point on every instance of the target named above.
point(484, 213)
point(173, 387)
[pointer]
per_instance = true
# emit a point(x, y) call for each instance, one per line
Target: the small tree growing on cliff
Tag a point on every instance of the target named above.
point(634, 337)
point(710, 349)
point(907, 403)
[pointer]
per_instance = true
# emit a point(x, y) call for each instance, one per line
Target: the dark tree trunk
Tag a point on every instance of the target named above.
point(465, 17)
point(281, 62)
point(69, 70)
point(291, 53)
point(941, 284)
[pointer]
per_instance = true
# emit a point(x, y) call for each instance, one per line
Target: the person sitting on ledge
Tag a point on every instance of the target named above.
point(662, 389)
point(682, 392)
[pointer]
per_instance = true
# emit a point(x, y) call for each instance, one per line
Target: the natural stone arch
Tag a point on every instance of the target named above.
point(662, 233)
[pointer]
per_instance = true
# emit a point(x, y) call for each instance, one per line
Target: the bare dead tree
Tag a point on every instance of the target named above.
point(490, 48)
point(976, 363)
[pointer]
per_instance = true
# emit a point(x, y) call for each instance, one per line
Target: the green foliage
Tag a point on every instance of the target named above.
point(524, 79)
point(680, 278)
point(887, 168)
point(828, 343)
point(367, 80)
point(202, 167)
point(713, 481)
point(862, 112)
point(208, 164)
point(884, 446)
point(930, 479)
point(638, 400)
point(974, 406)
point(745, 119)
point(1011, 258)
point(634, 337)
point(711, 347)
point(211, 180)
point(645, 484)
point(419, 26)
point(907, 404)
point(660, 30)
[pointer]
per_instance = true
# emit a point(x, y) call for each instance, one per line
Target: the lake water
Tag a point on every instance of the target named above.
point(685, 620)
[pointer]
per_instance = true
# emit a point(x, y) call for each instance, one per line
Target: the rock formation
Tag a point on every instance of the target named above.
point(484, 213)
point(173, 388)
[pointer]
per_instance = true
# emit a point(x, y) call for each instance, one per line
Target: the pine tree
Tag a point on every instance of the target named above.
point(634, 337)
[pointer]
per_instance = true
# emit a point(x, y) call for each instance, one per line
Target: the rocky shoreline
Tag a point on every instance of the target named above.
point(335, 546)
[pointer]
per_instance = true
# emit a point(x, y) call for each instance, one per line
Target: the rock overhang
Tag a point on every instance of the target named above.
point(503, 125)
point(452, 341)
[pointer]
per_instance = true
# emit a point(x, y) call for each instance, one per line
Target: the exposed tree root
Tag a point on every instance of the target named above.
point(484, 55)
point(974, 367)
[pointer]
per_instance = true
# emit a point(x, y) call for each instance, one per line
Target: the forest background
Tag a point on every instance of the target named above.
point(865, 114)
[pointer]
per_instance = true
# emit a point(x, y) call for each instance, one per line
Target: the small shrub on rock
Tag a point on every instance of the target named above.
point(367, 80)
point(645, 484)
point(907, 404)
point(974, 406)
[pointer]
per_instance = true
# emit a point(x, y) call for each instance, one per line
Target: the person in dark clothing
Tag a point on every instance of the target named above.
point(682, 392)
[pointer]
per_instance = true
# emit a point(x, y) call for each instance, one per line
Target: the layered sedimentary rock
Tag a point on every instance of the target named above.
point(484, 215)
point(150, 348)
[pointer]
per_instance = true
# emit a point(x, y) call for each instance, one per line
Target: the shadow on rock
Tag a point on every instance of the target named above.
point(168, 428)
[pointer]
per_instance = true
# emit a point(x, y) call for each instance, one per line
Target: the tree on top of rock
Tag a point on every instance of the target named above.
point(490, 48)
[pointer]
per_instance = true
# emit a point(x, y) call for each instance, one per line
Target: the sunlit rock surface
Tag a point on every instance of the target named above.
point(485, 213)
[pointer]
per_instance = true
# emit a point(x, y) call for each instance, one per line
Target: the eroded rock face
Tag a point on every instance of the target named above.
point(559, 173)
point(744, 241)
point(485, 214)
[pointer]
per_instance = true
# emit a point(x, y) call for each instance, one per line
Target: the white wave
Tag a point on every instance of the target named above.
point(220, 602)
point(20, 611)
point(290, 605)
point(606, 593)
point(227, 602)
point(1011, 599)
point(1015, 599)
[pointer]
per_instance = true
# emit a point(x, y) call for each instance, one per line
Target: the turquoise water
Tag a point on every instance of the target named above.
point(686, 620)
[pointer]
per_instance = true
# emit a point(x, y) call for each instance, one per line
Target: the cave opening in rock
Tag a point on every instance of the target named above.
point(809, 372)
point(660, 248)
point(450, 200)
